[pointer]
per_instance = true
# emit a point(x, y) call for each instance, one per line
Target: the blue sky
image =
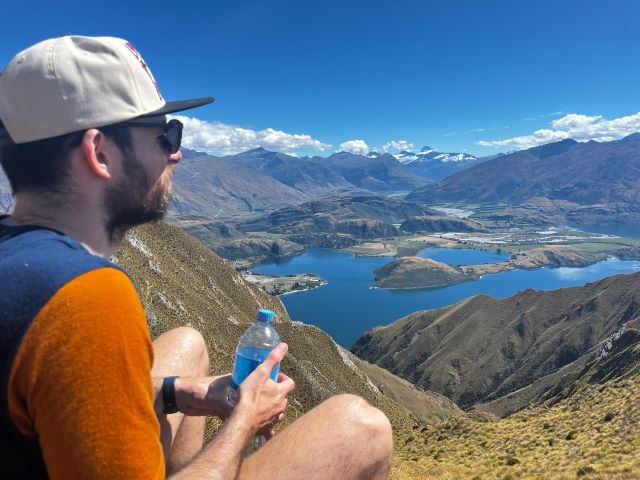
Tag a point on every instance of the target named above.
point(309, 76)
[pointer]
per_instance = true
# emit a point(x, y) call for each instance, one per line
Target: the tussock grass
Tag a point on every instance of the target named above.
point(594, 434)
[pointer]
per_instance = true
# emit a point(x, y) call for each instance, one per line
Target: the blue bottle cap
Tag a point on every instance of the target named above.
point(265, 315)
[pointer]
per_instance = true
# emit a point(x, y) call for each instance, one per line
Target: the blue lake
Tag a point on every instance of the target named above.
point(347, 305)
point(462, 256)
point(628, 230)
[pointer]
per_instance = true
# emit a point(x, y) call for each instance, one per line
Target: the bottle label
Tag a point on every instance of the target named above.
point(247, 359)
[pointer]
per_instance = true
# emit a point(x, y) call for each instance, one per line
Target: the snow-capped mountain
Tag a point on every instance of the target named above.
point(428, 154)
point(432, 164)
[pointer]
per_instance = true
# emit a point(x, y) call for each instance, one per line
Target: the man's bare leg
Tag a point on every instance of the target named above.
point(182, 352)
point(344, 438)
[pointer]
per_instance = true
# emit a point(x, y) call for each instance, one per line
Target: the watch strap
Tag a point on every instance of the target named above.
point(169, 395)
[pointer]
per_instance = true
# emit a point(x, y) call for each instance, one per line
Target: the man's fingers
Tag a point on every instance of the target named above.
point(286, 383)
point(275, 357)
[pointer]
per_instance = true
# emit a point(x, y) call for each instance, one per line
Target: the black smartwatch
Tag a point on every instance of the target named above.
point(169, 395)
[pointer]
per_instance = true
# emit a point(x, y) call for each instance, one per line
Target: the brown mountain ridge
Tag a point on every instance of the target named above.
point(504, 354)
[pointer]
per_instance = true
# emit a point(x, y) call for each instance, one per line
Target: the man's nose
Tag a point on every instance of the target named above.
point(175, 157)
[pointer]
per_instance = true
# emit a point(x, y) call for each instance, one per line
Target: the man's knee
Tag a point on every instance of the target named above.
point(361, 418)
point(191, 341)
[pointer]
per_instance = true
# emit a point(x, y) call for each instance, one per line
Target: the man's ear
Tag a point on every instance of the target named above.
point(97, 155)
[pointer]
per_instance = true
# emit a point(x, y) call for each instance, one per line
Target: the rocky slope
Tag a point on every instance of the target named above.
point(482, 350)
point(181, 282)
point(619, 357)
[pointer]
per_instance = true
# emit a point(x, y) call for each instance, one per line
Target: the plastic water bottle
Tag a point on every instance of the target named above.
point(254, 346)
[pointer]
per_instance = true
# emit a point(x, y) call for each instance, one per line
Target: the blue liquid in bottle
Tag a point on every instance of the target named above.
point(247, 359)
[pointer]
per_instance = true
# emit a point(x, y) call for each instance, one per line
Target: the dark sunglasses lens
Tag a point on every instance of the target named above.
point(173, 136)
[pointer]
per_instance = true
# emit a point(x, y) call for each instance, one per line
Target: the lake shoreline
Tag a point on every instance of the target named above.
point(280, 285)
point(348, 304)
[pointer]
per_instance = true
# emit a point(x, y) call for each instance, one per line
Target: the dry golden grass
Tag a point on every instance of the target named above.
point(594, 434)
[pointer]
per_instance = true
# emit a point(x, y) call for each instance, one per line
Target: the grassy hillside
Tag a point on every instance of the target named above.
point(584, 425)
point(592, 433)
point(181, 282)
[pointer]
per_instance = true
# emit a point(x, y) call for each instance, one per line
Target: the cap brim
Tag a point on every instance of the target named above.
point(180, 105)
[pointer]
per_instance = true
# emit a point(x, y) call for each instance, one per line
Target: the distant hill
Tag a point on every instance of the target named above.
point(601, 180)
point(330, 223)
point(383, 173)
point(440, 223)
point(482, 350)
point(339, 173)
point(214, 187)
point(361, 216)
point(260, 180)
point(311, 176)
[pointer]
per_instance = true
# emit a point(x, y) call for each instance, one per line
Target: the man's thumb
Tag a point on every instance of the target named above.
point(275, 356)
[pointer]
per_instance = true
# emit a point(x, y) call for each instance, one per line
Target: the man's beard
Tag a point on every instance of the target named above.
point(135, 200)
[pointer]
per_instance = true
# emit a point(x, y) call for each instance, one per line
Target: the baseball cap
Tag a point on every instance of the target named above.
point(73, 83)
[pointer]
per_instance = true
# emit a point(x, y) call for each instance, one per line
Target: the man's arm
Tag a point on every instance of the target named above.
point(261, 402)
point(197, 396)
point(80, 382)
point(221, 459)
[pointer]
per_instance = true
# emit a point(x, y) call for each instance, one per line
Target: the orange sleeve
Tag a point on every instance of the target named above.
point(81, 382)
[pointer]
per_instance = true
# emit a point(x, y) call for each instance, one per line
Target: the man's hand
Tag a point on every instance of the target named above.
point(261, 401)
point(200, 396)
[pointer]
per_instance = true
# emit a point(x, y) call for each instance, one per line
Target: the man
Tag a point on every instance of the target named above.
point(89, 152)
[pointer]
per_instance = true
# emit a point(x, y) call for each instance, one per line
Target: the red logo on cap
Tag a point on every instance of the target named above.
point(136, 54)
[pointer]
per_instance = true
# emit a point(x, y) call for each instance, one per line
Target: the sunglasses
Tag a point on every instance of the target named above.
point(171, 136)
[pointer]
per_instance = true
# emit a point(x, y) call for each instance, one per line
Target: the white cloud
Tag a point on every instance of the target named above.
point(573, 125)
point(552, 114)
point(359, 147)
point(217, 137)
point(574, 121)
point(397, 145)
